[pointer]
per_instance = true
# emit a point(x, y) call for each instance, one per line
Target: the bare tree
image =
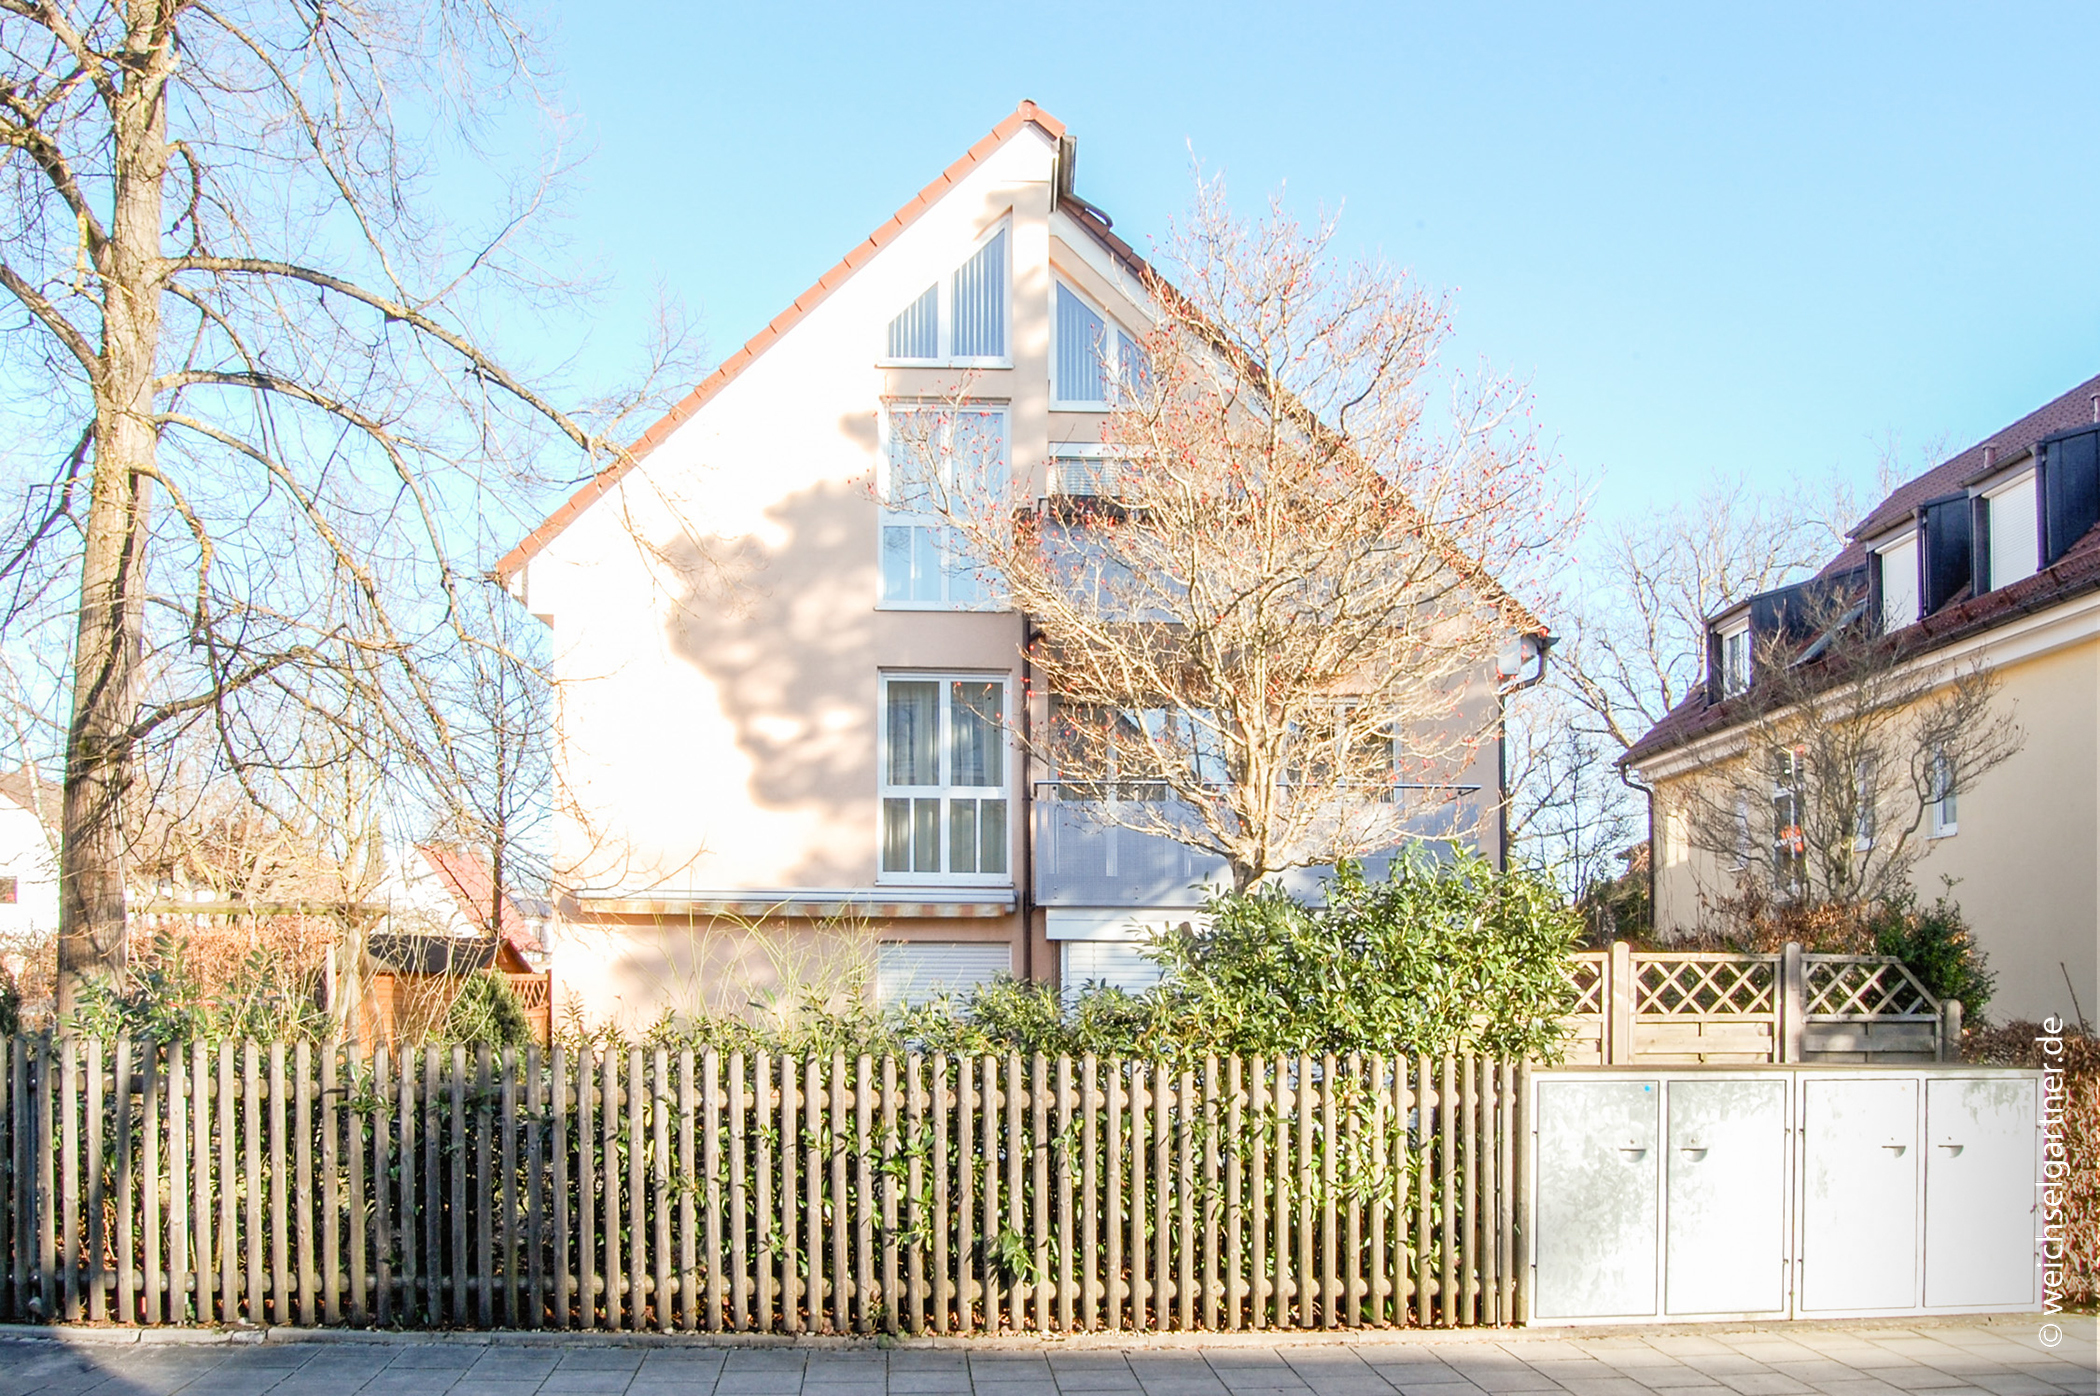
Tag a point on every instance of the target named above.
point(1279, 606)
point(1839, 754)
point(264, 357)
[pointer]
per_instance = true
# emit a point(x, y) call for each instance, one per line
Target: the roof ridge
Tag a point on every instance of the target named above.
point(1026, 114)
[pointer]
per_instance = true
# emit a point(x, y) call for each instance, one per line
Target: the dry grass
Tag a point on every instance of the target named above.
point(2022, 1044)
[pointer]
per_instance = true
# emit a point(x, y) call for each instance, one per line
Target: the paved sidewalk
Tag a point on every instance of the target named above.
point(2004, 1357)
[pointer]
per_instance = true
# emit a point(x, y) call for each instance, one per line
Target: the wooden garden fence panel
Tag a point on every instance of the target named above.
point(581, 1188)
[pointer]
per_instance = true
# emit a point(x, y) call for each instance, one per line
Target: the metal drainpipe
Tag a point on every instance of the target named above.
point(1502, 693)
point(1024, 891)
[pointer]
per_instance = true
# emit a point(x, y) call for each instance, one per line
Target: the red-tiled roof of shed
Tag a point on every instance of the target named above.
point(2072, 575)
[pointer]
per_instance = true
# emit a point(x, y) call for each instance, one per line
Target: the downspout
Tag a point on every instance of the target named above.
point(1654, 853)
point(1502, 692)
point(1024, 891)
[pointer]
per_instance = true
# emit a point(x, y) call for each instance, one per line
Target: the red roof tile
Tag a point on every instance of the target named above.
point(1024, 115)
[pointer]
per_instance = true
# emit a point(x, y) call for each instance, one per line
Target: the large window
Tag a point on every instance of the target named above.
point(961, 318)
point(944, 782)
point(1789, 841)
point(939, 461)
point(1089, 353)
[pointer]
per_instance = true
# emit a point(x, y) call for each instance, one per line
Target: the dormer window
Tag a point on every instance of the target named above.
point(1735, 658)
point(1898, 564)
point(2013, 540)
point(960, 319)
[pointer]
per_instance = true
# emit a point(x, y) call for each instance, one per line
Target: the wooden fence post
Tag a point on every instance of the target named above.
point(1619, 1001)
point(1791, 1029)
point(1950, 1030)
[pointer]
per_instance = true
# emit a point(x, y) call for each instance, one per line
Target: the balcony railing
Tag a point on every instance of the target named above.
point(1085, 855)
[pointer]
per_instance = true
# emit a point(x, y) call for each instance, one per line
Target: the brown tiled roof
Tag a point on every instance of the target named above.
point(2073, 409)
point(1028, 113)
point(2072, 575)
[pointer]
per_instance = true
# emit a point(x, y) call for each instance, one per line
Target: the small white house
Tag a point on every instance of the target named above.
point(28, 858)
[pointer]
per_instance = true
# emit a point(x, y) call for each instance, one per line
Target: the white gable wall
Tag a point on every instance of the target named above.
point(705, 688)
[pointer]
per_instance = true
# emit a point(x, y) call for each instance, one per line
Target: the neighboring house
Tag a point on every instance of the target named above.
point(29, 815)
point(785, 726)
point(1991, 558)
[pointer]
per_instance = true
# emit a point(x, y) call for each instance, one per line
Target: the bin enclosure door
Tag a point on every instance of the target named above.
point(1595, 1216)
point(1726, 1197)
point(1980, 1193)
point(1859, 1195)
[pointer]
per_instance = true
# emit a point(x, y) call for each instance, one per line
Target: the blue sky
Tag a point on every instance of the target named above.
point(1752, 242)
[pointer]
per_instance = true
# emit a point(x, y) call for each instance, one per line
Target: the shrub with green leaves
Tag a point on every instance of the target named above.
point(1443, 956)
point(486, 1009)
point(1935, 943)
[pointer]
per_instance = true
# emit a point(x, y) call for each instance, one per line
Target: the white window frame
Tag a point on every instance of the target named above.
point(944, 311)
point(1866, 795)
point(945, 790)
point(2032, 481)
point(1944, 808)
point(1078, 451)
point(1733, 683)
point(1112, 365)
point(1909, 543)
point(888, 517)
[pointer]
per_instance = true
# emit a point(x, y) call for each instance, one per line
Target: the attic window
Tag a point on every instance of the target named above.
point(1899, 583)
point(961, 319)
point(1735, 659)
point(2012, 535)
point(1091, 353)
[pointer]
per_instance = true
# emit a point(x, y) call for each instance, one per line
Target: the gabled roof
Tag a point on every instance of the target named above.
point(2074, 574)
point(466, 877)
point(1027, 114)
point(1085, 215)
point(38, 795)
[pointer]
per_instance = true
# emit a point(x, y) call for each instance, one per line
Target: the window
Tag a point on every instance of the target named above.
point(1091, 353)
point(1866, 794)
point(1735, 660)
point(962, 319)
point(1899, 584)
point(2014, 542)
point(1789, 841)
point(939, 459)
point(1085, 471)
point(944, 788)
point(1941, 776)
point(911, 973)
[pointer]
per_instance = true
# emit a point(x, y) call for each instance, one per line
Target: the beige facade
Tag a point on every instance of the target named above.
point(2025, 852)
point(723, 646)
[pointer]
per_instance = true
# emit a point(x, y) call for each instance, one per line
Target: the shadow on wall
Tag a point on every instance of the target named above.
point(793, 666)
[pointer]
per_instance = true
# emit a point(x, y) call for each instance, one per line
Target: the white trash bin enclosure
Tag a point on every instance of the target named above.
point(1783, 1192)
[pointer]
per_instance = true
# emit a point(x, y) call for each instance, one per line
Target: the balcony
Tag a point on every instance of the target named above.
point(1083, 857)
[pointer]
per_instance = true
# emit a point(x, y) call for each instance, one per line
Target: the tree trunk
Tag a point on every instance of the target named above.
point(108, 644)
